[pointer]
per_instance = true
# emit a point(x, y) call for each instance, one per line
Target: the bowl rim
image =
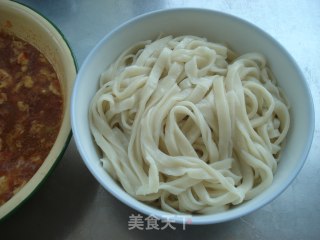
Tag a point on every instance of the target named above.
point(201, 219)
point(7, 212)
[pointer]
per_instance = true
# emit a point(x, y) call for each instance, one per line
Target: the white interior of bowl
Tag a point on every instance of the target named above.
point(218, 27)
point(33, 28)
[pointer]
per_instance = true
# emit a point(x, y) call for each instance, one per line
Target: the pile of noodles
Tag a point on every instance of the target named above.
point(185, 125)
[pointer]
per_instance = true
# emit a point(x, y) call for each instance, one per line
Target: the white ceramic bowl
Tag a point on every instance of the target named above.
point(218, 27)
point(35, 29)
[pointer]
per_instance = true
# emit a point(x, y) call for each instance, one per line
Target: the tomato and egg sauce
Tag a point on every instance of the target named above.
point(31, 108)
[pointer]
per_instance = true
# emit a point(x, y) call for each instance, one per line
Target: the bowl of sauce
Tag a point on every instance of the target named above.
point(37, 70)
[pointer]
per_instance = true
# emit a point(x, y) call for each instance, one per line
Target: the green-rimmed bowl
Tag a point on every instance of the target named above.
point(30, 26)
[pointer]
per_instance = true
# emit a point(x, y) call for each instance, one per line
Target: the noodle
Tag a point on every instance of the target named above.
point(187, 126)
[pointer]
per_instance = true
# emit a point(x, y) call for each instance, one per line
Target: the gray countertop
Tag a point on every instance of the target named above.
point(72, 205)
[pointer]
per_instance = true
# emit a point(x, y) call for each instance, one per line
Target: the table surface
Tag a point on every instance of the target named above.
point(72, 205)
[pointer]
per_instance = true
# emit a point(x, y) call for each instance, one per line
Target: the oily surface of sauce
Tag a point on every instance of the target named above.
point(31, 107)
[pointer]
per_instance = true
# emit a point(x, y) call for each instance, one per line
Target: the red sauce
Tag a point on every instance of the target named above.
point(31, 106)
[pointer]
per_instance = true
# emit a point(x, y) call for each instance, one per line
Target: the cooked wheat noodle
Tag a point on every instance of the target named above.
point(185, 125)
